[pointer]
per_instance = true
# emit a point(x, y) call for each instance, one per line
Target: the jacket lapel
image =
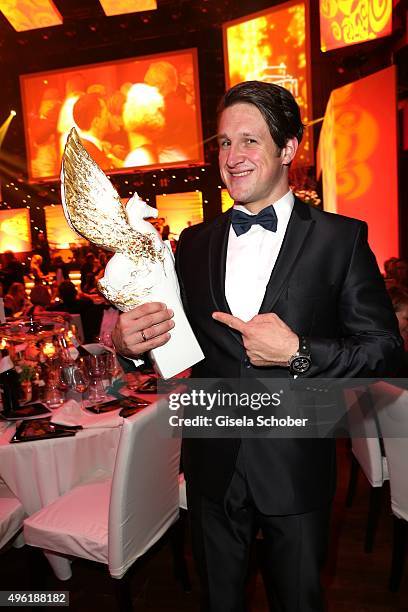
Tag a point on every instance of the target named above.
point(217, 266)
point(299, 226)
point(217, 254)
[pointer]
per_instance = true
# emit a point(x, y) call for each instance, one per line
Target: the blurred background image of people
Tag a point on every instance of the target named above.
point(143, 119)
point(128, 115)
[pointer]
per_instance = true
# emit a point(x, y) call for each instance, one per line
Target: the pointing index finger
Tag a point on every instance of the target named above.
point(230, 320)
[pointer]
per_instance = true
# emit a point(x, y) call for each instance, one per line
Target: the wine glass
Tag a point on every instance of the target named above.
point(53, 396)
point(65, 377)
point(96, 367)
point(80, 382)
point(111, 365)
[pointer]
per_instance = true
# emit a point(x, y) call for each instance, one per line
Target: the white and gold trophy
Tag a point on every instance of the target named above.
point(142, 268)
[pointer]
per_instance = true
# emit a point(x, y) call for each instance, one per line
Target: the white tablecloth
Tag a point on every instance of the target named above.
point(39, 472)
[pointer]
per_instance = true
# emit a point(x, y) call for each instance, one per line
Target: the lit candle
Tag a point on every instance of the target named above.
point(49, 349)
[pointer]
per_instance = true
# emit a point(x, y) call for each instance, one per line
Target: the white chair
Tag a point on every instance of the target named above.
point(367, 455)
point(116, 520)
point(391, 407)
point(11, 517)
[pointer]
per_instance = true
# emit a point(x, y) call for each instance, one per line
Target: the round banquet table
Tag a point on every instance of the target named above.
point(38, 472)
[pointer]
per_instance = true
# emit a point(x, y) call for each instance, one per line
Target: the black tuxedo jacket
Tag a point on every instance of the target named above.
point(325, 285)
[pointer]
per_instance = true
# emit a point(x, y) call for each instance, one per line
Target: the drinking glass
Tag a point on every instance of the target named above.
point(111, 366)
point(65, 377)
point(96, 368)
point(53, 396)
point(80, 382)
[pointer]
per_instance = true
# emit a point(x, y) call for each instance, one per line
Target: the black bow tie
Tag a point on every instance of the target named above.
point(241, 222)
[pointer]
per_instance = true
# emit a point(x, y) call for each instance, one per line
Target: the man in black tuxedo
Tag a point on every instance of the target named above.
point(272, 288)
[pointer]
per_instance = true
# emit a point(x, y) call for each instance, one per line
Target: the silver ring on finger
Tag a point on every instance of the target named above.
point(143, 335)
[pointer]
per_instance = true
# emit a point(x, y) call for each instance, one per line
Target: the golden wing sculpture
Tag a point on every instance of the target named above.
point(93, 208)
point(142, 268)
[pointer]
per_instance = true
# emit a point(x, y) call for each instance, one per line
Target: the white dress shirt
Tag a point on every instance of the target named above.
point(251, 258)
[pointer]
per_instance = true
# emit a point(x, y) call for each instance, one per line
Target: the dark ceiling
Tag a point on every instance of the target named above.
point(87, 27)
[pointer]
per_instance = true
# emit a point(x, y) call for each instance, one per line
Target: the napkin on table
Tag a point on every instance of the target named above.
point(71, 413)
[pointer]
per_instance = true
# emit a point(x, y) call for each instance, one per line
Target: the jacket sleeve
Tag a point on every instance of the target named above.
point(369, 342)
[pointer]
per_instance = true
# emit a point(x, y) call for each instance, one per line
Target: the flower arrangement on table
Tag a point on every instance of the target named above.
point(31, 378)
point(26, 371)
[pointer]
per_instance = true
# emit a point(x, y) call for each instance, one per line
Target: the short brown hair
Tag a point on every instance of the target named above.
point(276, 104)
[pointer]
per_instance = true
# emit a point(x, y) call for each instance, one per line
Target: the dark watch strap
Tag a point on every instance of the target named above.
point(304, 346)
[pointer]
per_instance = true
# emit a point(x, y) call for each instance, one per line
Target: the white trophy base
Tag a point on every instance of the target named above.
point(182, 350)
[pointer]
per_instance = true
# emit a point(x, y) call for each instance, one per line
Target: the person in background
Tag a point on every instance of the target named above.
point(390, 270)
point(40, 299)
point(16, 299)
point(9, 305)
point(75, 87)
point(70, 302)
point(45, 161)
point(92, 117)
point(116, 133)
point(91, 314)
point(103, 260)
point(274, 289)
point(402, 272)
point(36, 269)
point(12, 272)
point(90, 266)
point(164, 229)
point(178, 139)
point(143, 120)
point(7, 310)
point(399, 299)
point(90, 288)
point(42, 248)
point(396, 272)
point(60, 269)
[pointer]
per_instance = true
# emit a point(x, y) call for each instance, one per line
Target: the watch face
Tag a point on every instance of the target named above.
point(300, 364)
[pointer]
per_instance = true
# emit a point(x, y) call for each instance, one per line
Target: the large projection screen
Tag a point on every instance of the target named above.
point(141, 112)
point(180, 210)
point(357, 155)
point(273, 46)
point(348, 23)
point(15, 234)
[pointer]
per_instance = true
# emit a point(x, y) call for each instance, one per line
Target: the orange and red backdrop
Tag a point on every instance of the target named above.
point(358, 157)
point(273, 46)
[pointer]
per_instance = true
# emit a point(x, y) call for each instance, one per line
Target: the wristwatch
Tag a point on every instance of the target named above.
point(301, 361)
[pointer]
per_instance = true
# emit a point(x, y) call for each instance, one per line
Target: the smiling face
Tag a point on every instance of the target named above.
point(252, 167)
